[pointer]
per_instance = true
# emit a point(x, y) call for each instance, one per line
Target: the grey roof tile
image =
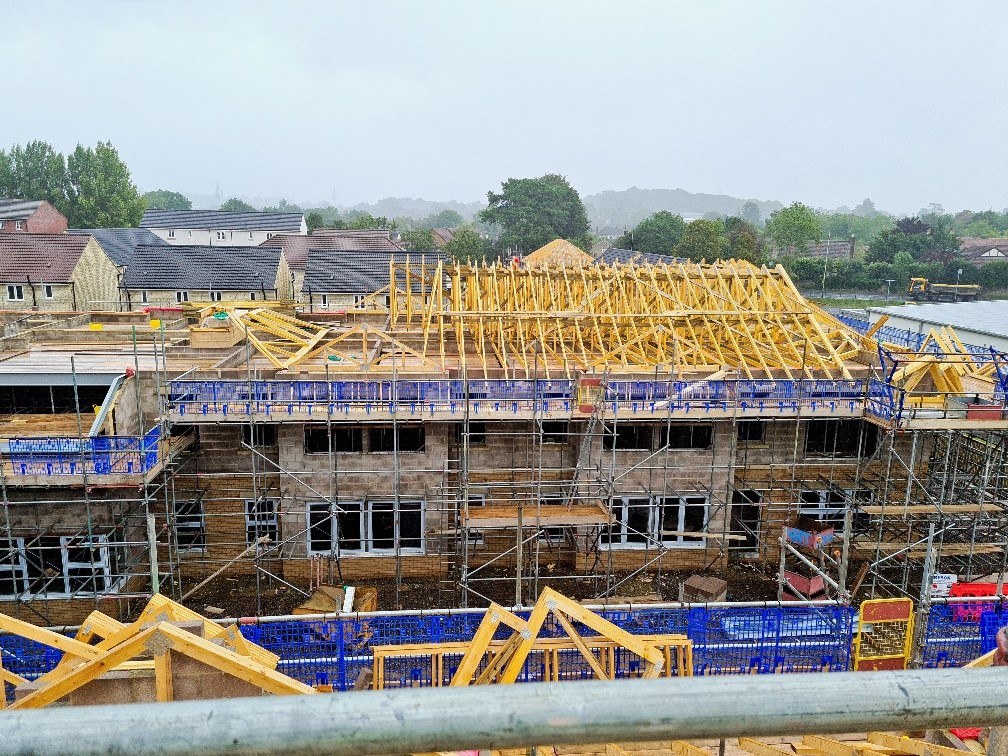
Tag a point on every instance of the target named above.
point(217, 220)
point(17, 209)
point(184, 267)
point(120, 243)
point(340, 271)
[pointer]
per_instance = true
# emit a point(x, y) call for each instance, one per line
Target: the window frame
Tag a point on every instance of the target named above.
point(181, 297)
point(190, 522)
point(253, 520)
point(171, 233)
point(215, 296)
point(48, 292)
point(15, 292)
point(365, 535)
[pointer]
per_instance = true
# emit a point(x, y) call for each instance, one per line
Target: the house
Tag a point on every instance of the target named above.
point(30, 216)
point(338, 279)
point(56, 272)
point(442, 236)
point(214, 228)
point(163, 274)
point(615, 255)
point(832, 250)
point(980, 251)
point(296, 246)
point(120, 243)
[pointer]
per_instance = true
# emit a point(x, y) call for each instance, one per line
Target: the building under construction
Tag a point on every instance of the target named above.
point(485, 431)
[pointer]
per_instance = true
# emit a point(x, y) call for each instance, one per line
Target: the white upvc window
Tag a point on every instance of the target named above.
point(215, 296)
point(252, 296)
point(143, 297)
point(190, 525)
point(60, 566)
point(181, 296)
point(171, 233)
point(13, 567)
point(15, 292)
point(221, 235)
point(19, 225)
point(825, 504)
point(47, 291)
point(261, 519)
point(645, 522)
point(358, 300)
point(368, 527)
point(323, 300)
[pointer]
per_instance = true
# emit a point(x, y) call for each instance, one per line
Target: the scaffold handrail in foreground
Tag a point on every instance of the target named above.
point(504, 716)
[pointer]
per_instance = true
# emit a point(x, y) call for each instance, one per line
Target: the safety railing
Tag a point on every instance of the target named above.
point(93, 455)
point(960, 631)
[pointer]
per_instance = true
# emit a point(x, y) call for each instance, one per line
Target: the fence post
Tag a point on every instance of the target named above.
point(924, 605)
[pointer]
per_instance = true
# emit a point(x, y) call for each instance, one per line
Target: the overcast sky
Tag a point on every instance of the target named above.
point(821, 102)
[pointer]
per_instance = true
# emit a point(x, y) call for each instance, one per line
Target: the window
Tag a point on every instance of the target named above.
point(371, 527)
point(15, 292)
point(1, 225)
point(171, 233)
point(476, 501)
point(381, 438)
point(252, 296)
point(477, 434)
point(745, 519)
point(320, 528)
point(181, 296)
point(555, 432)
point(19, 225)
point(259, 435)
point(58, 566)
point(631, 525)
point(840, 438)
point(190, 533)
point(269, 234)
point(215, 296)
point(751, 430)
point(358, 299)
point(388, 302)
point(261, 520)
point(627, 436)
point(682, 520)
point(829, 505)
point(143, 297)
point(47, 291)
point(250, 234)
point(221, 235)
point(345, 438)
point(687, 436)
point(323, 300)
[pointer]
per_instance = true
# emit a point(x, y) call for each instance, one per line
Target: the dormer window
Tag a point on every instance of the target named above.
point(18, 225)
point(171, 233)
point(221, 235)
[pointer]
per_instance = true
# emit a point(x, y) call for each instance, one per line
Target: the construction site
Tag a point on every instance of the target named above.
point(476, 433)
point(544, 470)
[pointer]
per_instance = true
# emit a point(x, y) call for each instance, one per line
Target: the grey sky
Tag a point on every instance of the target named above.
point(822, 102)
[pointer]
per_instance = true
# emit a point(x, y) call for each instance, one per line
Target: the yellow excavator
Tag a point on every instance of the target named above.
point(922, 290)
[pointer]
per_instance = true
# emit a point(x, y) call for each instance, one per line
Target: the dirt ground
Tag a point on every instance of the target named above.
point(241, 596)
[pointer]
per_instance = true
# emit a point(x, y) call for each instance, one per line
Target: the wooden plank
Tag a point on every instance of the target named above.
point(47, 637)
point(683, 748)
point(904, 744)
point(759, 748)
point(833, 747)
point(163, 676)
point(589, 657)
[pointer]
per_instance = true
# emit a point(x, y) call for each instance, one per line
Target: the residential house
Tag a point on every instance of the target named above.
point(163, 274)
point(30, 216)
point(980, 251)
point(214, 228)
point(832, 249)
point(337, 279)
point(615, 255)
point(296, 247)
point(442, 236)
point(56, 272)
point(120, 243)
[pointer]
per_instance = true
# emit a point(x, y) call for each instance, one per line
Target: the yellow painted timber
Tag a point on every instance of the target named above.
point(163, 676)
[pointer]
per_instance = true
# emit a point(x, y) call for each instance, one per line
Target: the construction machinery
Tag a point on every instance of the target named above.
point(921, 289)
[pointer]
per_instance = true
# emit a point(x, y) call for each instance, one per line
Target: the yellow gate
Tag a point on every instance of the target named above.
point(885, 635)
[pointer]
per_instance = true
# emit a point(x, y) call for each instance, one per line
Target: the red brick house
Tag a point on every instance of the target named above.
point(30, 216)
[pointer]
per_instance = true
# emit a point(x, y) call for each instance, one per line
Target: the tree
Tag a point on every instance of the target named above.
point(163, 199)
point(793, 228)
point(922, 241)
point(466, 244)
point(866, 209)
point(534, 211)
point(447, 218)
point(368, 222)
point(657, 234)
point(283, 207)
point(34, 171)
point(314, 220)
point(419, 239)
point(703, 240)
point(751, 213)
point(743, 241)
point(100, 191)
point(235, 205)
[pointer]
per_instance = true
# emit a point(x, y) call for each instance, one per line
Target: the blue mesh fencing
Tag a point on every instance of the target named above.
point(958, 632)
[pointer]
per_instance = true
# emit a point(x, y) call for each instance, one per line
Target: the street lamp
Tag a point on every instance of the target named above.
point(958, 277)
point(888, 283)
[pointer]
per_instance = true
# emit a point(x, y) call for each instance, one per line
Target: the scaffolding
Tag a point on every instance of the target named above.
point(585, 426)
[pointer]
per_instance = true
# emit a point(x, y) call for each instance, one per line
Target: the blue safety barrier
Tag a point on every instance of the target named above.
point(94, 455)
point(960, 631)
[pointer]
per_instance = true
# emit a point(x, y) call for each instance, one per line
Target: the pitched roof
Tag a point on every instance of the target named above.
point(187, 267)
point(442, 236)
point(558, 252)
point(831, 248)
point(119, 243)
point(41, 257)
point(224, 221)
point(17, 209)
point(296, 246)
point(339, 271)
point(616, 255)
point(974, 248)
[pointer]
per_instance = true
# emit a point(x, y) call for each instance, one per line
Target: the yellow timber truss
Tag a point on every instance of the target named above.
point(562, 319)
point(144, 647)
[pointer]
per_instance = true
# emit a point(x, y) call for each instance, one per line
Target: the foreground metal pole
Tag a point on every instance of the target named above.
point(508, 716)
